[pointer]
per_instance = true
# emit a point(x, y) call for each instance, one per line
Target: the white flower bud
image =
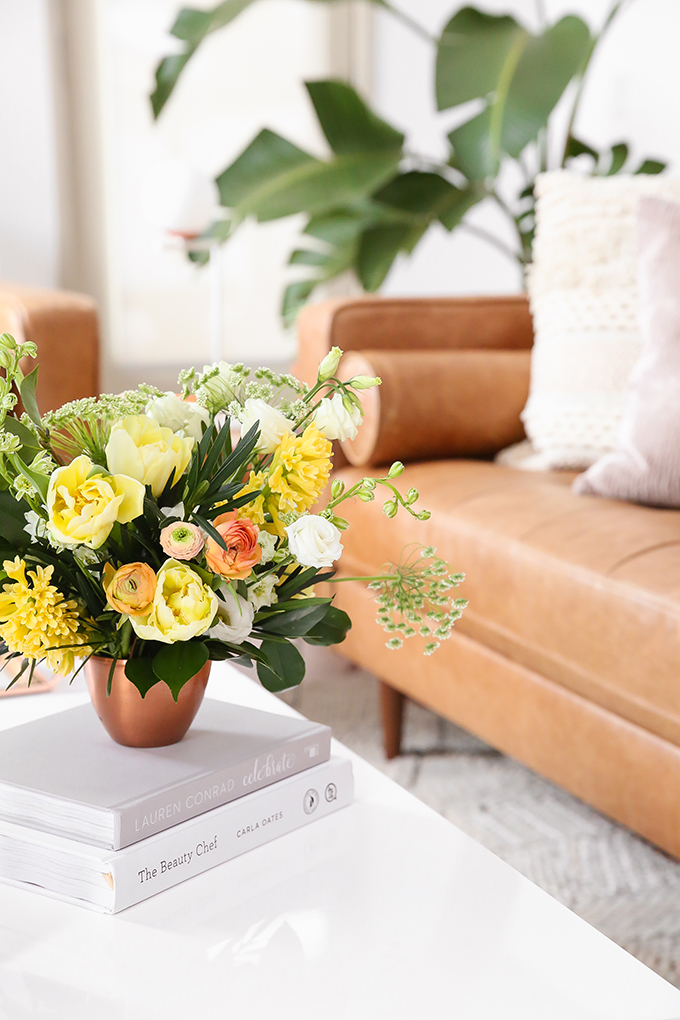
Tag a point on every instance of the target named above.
point(364, 382)
point(329, 365)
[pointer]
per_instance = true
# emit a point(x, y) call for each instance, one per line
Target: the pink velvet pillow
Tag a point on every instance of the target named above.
point(646, 467)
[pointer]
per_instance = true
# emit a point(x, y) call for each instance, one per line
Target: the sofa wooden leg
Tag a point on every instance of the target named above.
point(392, 710)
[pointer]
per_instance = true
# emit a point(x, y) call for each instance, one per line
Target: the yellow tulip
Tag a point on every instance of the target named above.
point(183, 606)
point(143, 449)
point(83, 509)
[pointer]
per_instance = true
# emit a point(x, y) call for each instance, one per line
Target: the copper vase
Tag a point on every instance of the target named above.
point(152, 721)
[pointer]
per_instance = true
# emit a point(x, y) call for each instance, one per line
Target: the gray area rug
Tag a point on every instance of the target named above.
point(613, 879)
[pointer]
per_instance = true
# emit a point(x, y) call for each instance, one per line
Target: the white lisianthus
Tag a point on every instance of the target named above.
point(267, 543)
point(262, 593)
point(234, 619)
point(273, 424)
point(314, 541)
point(183, 417)
point(334, 419)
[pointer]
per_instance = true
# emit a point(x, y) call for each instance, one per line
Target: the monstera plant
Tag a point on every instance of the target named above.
point(373, 198)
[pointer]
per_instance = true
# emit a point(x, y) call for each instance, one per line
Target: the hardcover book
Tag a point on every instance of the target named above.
point(63, 774)
point(111, 880)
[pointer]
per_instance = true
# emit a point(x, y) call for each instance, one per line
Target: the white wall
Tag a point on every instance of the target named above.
point(632, 94)
point(29, 207)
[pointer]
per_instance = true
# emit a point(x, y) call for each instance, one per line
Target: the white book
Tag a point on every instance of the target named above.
point(64, 774)
point(111, 880)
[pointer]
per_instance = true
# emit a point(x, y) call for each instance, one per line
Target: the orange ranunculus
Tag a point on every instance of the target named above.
point(131, 588)
point(243, 551)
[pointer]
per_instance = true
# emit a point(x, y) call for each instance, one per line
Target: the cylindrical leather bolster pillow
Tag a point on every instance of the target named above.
point(434, 404)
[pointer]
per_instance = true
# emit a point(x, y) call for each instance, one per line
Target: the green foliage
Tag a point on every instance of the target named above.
point(369, 200)
point(280, 666)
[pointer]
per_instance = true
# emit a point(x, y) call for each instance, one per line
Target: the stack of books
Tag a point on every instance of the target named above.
point(105, 826)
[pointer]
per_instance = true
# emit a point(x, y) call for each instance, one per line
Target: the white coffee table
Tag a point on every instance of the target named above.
point(383, 910)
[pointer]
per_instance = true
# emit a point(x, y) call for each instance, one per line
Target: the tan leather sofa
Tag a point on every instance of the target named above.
point(568, 657)
point(64, 327)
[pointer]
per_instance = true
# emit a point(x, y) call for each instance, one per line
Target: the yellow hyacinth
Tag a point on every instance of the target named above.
point(255, 510)
point(37, 621)
point(300, 469)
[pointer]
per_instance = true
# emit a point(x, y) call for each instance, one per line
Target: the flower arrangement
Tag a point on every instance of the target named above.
point(137, 527)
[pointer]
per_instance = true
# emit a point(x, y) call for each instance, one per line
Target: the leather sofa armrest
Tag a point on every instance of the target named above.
point(64, 327)
point(434, 404)
point(376, 323)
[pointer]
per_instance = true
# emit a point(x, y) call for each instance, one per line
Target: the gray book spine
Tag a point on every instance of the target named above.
point(170, 807)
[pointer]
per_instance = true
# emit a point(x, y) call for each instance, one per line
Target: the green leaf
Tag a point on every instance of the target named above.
point(416, 192)
point(140, 673)
point(471, 54)
point(176, 664)
point(651, 166)
point(525, 99)
point(13, 520)
point(575, 147)
point(30, 444)
point(283, 667)
point(379, 247)
point(27, 391)
point(429, 195)
point(192, 26)
point(331, 630)
point(294, 297)
point(263, 161)
point(473, 152)
point(167, 73)
point(464, 199)
point(294, 623)
point(619, 157)
point(317, 186)
point(349, 125)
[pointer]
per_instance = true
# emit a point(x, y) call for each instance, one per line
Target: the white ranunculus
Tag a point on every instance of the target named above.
point(182, 416)
point(273, 424)
point(262, 593)
point(314, 541)
point(335, 421)
point(234, 619)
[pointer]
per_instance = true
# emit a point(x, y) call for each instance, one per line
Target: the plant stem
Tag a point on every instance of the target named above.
point(485, 235)
point(409, 22)
point(378, 577)
point(582, 74)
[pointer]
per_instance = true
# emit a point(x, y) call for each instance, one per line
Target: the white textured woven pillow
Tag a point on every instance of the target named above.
point(583, 294)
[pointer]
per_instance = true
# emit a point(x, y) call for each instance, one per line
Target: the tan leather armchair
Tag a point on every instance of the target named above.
point(64, 327)
point(568, 657)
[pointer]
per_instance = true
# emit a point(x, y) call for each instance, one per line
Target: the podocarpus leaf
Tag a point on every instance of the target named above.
point(140, 673)
point(280, 667)
point(176, 664)
point(301, 579)
point(294, 623)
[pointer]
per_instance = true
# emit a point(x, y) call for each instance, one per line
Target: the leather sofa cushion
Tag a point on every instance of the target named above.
point(582, 590)
point(457, 384)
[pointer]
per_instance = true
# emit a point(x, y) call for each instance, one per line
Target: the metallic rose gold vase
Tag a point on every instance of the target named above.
point(153, 721)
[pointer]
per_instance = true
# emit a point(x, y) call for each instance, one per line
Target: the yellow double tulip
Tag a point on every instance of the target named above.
point(183, 606)
point(143, 449)
point(82, 508)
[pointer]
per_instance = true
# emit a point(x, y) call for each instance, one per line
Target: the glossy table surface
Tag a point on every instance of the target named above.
point(383, 910)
